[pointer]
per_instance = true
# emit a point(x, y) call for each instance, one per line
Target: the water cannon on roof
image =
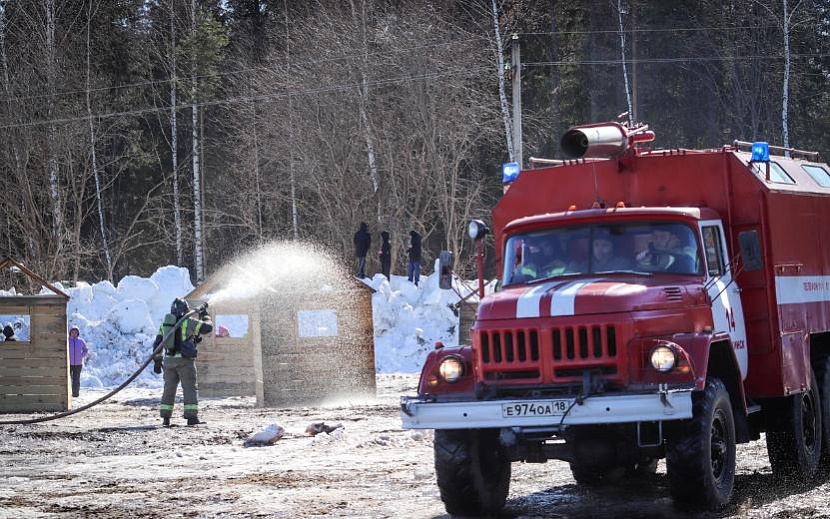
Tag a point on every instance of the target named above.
point(603, 140)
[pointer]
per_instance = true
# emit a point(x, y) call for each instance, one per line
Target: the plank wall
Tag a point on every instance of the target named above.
point(293, 370)
point(225, 365)
point(34, 375)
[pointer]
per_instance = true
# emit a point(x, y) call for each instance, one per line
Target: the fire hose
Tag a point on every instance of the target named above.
point(117, 389)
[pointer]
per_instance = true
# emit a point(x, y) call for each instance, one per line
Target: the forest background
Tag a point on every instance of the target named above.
point(139, 133)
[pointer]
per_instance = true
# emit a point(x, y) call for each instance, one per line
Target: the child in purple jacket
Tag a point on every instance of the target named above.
point(77, 353)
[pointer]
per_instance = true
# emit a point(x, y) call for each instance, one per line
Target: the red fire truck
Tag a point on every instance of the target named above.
point(652, 304)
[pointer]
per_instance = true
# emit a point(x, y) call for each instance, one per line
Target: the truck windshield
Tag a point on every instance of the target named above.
point(650, 248)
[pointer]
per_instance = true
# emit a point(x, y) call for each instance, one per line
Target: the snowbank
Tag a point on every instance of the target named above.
point(409, 320)
point(120, 323)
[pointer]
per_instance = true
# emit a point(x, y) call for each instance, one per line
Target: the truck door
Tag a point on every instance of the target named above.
point(727, 312)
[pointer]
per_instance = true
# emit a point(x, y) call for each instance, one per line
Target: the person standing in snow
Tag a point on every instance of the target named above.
point(178, 359)
point(385, 254)
point(362, 243)
point(77, 353)
point(413, 269)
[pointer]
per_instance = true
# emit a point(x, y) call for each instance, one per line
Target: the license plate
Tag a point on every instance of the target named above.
point(536, 408)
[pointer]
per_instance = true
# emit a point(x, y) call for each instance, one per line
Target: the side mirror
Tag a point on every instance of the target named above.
point(445, 270)
point(477, 230)
point(751, 251)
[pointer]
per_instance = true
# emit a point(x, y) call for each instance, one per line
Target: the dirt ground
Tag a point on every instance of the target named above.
point(115, 460)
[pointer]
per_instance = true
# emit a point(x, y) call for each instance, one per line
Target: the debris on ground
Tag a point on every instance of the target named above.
point(321, 427)
point(267, 436)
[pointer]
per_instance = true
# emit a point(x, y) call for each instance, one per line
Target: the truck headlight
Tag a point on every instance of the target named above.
point(451, 369)
point(663, 359)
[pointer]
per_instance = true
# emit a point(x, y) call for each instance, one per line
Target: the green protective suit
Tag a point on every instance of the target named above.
point(179, 369)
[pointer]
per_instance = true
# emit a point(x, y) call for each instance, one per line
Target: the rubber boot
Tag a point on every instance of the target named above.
point(165, 422)
point(193, 421)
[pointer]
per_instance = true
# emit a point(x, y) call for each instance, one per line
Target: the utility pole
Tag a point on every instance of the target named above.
point(635, 115)
point(517, 99)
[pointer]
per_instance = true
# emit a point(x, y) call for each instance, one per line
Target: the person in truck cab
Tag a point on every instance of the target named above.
point(668, 251)
point(603, 256)
point(542, 260)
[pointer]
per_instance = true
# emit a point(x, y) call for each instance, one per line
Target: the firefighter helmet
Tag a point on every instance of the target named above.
point(179, 307)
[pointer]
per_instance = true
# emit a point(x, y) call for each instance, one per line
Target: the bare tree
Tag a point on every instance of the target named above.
point(50, 51)
point(174, 138)
point(93, 157)
point(195, 152)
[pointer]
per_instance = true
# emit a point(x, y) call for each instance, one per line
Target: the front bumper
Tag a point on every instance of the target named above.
point(417, 413)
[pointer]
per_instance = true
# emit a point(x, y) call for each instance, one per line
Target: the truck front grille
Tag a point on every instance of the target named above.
point(548, 356)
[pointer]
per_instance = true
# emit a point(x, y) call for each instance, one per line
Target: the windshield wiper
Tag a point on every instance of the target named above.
point(557, 276)
point(635, 272)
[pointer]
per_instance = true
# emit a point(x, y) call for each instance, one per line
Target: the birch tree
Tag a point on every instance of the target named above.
point(198, 254)
point(51, 91)
point(359, 18)
point(93, 157)
point(174, 138)
point(786, 22)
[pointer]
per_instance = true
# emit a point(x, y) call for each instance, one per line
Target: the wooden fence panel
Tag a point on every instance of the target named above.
point(34, 374)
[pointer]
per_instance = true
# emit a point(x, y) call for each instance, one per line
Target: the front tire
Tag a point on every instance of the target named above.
point(794, 435)
point(473, 471)
point(700, 455)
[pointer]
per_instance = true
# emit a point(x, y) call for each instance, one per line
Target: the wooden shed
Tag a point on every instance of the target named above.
point(34, 368)
point(288, 347)
point(226, 360)
point(316, 346)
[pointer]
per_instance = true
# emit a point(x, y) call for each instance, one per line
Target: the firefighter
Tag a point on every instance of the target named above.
point(669, 251)
point(178, 359)
point(543, 261)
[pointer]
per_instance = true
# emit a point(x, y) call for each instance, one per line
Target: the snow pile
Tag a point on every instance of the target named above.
point(409, 320)
point(119, 324)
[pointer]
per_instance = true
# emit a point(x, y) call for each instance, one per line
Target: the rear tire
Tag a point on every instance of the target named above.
point(794, 446)
point(472, 470)
point(822, 372)
point(700, 453)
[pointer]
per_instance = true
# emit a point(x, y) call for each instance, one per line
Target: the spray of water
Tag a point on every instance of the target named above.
point(278, 268)
point(314, 342)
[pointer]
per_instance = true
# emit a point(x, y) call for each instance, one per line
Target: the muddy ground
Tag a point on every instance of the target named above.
point(115, 460)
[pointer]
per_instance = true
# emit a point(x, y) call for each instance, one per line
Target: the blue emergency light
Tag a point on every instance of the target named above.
point(760, 152)
point(509, 172)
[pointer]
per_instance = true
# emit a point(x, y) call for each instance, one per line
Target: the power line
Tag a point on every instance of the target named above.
point(248, 99)
point(650, 30)
point(342, 57)
point(669, 60)
point(274, 68)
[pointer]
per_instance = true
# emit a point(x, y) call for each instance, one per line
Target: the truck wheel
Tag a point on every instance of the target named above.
point(472, 470)
point(794, 446)
point(700, 453)
point(822, 372)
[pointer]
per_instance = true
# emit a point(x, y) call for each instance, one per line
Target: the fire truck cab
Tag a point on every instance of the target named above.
point(652, 304)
